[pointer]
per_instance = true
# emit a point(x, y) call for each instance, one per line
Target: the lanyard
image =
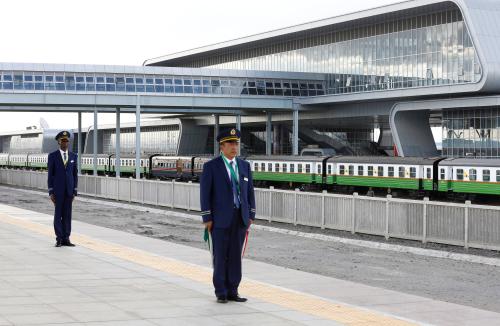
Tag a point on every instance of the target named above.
point(233, 173)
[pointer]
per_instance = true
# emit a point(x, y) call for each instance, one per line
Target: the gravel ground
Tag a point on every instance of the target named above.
point(448, 280)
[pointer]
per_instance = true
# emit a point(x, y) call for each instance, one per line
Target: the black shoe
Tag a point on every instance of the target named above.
point(58, 244)
point(221, 300)
point(67, 243)
point(236, 298)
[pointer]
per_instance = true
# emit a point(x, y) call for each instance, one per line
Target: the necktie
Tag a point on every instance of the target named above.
point(236, 197)
point(64, 158)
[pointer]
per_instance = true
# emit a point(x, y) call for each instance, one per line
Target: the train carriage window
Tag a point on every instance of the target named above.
point(256, 167)
point(472, 174)
point(329, 168)
point(486, 175)
point(299, 168)
point(460, 174)
point(263, 166)
point(308, 168)
point(276, 167)
point(413, 172)
point(370, 170)
point(269, 167)
point(498, 175)
point(429, 173)
point(285, 167)
point(318, 169)
point(380, 171)
point(361, 170)
point(443, 174)
point(292, 168)
point(351, 169)
point(401, 171)
point(341, 169)
point(390, 171)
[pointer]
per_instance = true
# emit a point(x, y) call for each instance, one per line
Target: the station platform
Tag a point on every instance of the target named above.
point(117, 278)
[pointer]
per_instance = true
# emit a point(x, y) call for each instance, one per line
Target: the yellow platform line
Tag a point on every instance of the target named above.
point(298, 301)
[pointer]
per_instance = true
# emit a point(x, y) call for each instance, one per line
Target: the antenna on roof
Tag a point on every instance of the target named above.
point(43, 124)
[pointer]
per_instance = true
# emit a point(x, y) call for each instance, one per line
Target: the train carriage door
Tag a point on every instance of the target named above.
point(436, 174)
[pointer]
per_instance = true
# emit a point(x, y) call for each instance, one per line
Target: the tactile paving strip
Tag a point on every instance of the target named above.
point(298, 301)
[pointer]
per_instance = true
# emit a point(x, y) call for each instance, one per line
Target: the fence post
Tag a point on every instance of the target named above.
point(106, 195)
point(466, 224)
point(424, 222)
point(157, 183)
point(130, 189)
point(189, 195)
point(142, 187)
point(173, 194)
point(353, 218)
point(270, 201)
point(323, 209)
point(295, 206)
point(95, 185)
point(387, 203)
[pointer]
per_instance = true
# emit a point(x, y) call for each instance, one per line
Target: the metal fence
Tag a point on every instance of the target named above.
point(426, 221)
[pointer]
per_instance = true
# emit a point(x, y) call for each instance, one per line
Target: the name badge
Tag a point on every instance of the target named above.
point(245, 178)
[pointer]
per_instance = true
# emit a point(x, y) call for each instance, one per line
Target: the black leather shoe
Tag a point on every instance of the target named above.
point(221, 300)
point(236, 298)
point(67, 243)
point(58, 244)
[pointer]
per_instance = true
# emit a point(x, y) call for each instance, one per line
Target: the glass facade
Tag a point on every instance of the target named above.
point(161, 139)
point(11, 81)
point(412, 51)
point(471, 133)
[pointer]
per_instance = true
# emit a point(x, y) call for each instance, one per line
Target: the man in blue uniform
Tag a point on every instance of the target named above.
point(228, 209)
point(63, 183)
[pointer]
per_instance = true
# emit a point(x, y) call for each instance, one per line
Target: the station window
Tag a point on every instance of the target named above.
point(380, 171)
point(299, 168)
point(460, 174)
point(370, 170)
point(269, 167)
point(429, 173)
point(308, 168)
point(486, 175)
point(351, 169)
point(413, 172)
point(292, 168)
point(390, 171)
point(472, 174)
point(443, 174)
point(361, 170)
point(401, 171)
point(341, 169)
point(276, 167)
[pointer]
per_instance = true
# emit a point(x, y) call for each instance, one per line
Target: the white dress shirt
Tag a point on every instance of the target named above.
point(235, 167)
point(62, 155)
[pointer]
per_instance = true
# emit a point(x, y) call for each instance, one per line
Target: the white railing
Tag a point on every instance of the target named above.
point(465, 224)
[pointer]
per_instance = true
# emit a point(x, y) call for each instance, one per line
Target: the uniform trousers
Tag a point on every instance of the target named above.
point(227, 248)
point(62, 217)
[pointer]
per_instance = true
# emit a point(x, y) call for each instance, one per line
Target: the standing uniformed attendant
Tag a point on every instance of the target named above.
point(63, 183)
point(228, 209)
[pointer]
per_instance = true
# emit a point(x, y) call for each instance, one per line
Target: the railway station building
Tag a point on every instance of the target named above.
point(400, 69)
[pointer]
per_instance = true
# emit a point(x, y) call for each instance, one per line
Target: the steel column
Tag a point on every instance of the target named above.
point(117, 148)
point(295, 132)
point(216, 131)
point(138, 139)
point(94, 138)
point(269, 133)
point(79, 149)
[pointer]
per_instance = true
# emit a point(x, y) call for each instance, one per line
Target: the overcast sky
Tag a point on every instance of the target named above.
point(126, 32)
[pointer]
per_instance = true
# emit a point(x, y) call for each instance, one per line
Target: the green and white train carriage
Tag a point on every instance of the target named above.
point(38, 161)
point(127, 165)
point(18, 160)
point(88, 163)
point(472, 176)
point(4, 159)
point(287, 169)
point(380, 172)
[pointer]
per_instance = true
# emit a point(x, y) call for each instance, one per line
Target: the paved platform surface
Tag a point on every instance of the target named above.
point(118, 278)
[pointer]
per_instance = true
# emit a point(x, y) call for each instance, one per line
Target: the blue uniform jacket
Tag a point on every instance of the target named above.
point(216, 195)
point(62, 180)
